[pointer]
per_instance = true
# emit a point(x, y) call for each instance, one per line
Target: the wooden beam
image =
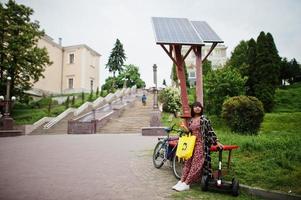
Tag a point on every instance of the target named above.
point(211, 49)
point(169, 53)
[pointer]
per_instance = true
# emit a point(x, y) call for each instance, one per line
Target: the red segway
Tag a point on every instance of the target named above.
point(216, 182)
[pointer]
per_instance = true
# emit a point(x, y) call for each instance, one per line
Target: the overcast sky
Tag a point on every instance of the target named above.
point(97, 23)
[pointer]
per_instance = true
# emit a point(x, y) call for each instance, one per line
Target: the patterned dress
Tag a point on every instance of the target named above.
point(200, 162)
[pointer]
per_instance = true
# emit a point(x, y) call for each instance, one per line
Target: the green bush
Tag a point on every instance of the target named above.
point(170, 98)
point(243, 114)
point(219, 85)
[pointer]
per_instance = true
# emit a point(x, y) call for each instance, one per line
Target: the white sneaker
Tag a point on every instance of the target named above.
point(177, 185)
point(183, 187)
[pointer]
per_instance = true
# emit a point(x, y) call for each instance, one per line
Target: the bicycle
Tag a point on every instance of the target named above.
point(165, 150)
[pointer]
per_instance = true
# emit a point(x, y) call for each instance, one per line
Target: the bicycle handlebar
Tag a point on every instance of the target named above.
point(169, 129)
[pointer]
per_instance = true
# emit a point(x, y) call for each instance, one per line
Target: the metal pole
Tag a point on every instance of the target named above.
point(7, 97)
point(155, 104)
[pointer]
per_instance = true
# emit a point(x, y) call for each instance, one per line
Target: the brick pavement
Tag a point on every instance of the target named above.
point(77, 167)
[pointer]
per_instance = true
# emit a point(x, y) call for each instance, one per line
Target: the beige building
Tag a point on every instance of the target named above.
point(218, 58)
point(74, 68)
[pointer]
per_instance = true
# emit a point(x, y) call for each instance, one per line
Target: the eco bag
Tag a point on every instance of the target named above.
point(185, 146)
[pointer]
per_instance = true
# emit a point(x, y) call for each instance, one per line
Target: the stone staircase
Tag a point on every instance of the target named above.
point(59, 128)
point(132, 119)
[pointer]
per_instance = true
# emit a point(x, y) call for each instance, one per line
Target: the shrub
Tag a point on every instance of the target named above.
point(243, 114)
point(170, 98)
point(67, 102)
point(73, 100)
point(83, 97)
point(44, 102)
point(219, 85)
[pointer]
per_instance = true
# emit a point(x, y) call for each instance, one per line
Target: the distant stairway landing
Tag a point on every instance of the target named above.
point(132, 120)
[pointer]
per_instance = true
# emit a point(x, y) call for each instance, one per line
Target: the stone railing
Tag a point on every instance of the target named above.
point(59, 118)
point(41, 122)
point(98, 102)
point(82, 108)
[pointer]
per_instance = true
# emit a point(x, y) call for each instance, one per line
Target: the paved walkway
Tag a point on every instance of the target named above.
point(78, 167)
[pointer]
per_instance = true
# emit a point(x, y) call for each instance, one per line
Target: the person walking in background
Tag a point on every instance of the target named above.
point(143, 99)
point(193, 168)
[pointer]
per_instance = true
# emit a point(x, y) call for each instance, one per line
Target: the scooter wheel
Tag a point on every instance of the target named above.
point(205, 183)
point(235, 187)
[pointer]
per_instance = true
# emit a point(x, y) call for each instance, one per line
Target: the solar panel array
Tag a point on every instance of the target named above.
point(206, 32)
point(182, 31)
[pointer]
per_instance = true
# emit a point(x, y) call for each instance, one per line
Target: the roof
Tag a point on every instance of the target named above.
point(83, 46)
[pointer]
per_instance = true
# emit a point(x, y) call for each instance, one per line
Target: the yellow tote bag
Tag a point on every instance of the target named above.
point(185, 146)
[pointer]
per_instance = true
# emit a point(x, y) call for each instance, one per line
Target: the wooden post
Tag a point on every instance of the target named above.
point(199, 75)
point(182, 78)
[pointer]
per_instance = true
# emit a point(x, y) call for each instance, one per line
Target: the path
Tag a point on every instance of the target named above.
point(77, 167)
point(132, 120)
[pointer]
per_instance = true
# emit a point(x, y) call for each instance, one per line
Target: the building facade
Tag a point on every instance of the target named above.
point(218, 58)
point(74, 69)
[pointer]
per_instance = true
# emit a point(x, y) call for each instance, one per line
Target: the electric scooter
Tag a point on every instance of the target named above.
point(217, 183)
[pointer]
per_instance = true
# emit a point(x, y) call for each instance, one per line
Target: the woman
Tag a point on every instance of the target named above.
point(200, 161)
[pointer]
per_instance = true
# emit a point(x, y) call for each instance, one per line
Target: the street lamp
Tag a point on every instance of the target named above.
point(154, 88)
point(6, 120)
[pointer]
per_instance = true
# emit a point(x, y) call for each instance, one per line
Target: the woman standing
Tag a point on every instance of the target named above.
point(200, 161)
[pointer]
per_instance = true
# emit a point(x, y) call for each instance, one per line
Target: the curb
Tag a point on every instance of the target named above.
point(153, 131)
point(274, 195)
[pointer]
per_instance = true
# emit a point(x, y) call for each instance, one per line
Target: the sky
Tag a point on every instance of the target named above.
point(98, 23)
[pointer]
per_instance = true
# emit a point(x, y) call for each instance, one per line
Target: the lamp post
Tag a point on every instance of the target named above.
point(155, 104)
point(6, 119)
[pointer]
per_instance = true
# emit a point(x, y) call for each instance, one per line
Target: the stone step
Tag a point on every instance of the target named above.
point(132, 119)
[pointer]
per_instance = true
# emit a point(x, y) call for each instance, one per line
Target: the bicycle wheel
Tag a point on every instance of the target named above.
point(177, 166)
point(158, 155)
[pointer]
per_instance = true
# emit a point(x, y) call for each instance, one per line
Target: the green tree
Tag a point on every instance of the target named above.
point(267, 64)
point(83, 97)
point(91, 95)
point(73, 100)
point(220, 85)
point(174, 75)
point(131, 77)
point(116, 59)
point(289, 70)
point(170, 98)
point(109, 85)
point(20, 57)
point(67, 102)
point(251, 71)
point(97, 91)
point(238, 57)
point(207, 67)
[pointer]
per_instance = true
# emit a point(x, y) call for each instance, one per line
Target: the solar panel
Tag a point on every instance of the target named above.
point(182, 31)
point(175, 31)
point(206, 32)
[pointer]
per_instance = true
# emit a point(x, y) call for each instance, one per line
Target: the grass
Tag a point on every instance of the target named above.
point(29, 114)
point(195, 193)
point(288, 99)
point(269, 160)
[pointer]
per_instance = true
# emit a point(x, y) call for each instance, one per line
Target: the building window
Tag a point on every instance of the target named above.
point(71, 58)
point(191, 74)
point(70, 83)
point(91, 84)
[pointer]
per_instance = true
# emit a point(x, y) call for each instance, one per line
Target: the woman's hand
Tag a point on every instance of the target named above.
point(184, 127)
point(220, 145)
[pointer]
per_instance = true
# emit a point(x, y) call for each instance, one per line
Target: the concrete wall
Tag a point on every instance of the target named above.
point(52, 73)
point(84, 68)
